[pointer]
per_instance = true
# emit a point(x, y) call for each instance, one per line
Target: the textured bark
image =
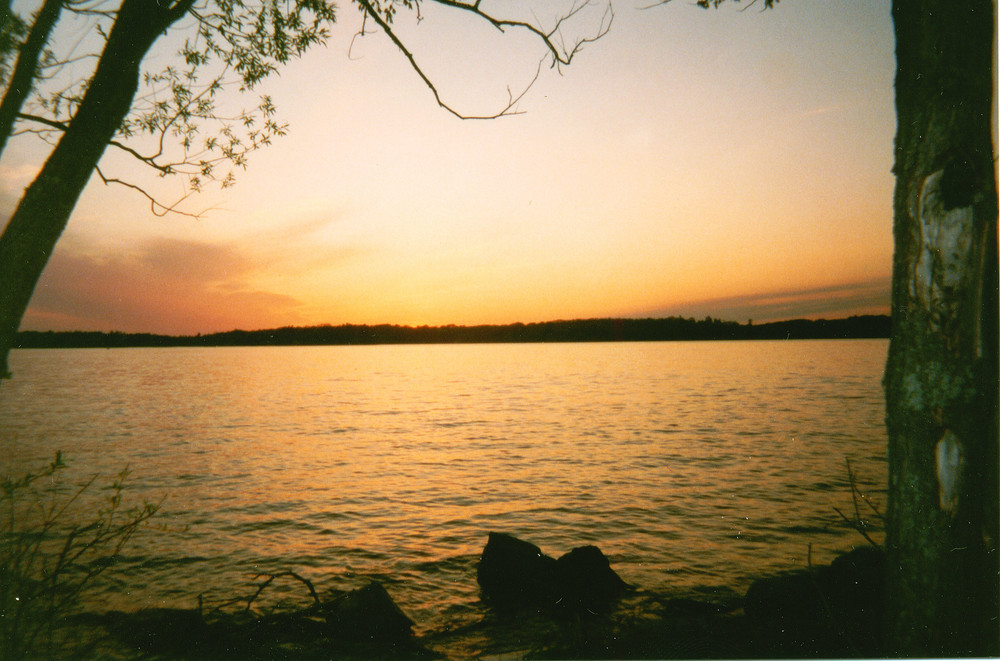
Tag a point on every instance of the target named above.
point(941, 377)
point(45, 208)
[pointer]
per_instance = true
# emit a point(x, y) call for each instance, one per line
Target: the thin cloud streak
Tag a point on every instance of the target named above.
point(870, 297)
point(827, 109)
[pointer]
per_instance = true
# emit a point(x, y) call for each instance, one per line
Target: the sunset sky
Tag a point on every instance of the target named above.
point(726, 163)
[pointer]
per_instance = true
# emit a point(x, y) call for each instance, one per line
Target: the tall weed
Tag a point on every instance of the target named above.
point(52, 547)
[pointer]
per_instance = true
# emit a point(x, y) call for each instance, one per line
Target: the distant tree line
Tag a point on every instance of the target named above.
point(579, 330)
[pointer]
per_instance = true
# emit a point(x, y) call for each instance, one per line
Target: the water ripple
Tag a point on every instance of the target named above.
point(693, 466)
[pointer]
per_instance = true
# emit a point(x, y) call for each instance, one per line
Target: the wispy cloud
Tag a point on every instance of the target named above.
point(825, 110)
point(169, 286)
point(868, 297)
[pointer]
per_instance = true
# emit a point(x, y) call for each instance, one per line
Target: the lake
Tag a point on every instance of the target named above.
point(695, 466)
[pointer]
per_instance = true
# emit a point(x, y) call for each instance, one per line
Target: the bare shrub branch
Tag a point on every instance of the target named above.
point(859, 523)
point(47, 558)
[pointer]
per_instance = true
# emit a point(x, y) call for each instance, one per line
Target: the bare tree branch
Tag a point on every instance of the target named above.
point(156, 207)
point(61, 126)
point(51, 123)
point(560, 53)
point(382, 23)
point(269, 578)
point(714, 4)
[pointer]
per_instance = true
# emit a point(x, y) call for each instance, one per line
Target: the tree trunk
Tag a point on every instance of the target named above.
point(23, 77)
point(941, 377)
point(45, 208)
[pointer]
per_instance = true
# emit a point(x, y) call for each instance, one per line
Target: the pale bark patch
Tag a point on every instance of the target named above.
point(942, 270)
point(948, 457)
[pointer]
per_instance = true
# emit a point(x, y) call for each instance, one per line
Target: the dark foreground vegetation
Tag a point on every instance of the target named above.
point(537, 607)
point(580, 330)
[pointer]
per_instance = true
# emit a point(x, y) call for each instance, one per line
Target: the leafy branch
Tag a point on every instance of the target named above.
point(175, 126)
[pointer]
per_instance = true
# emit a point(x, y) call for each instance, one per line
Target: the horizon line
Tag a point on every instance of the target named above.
point(706, 319)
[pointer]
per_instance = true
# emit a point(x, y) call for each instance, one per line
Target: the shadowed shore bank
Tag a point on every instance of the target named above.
point(576, 610)
point(580, 330)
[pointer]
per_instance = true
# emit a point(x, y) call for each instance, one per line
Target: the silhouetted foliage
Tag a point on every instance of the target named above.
point(579, 330)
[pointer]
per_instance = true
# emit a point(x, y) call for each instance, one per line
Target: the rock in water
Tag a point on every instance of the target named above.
point(367, 614)
point(515, 573)
point(586, 579)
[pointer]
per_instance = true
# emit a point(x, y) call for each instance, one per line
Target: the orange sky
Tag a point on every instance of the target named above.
point(725, 163)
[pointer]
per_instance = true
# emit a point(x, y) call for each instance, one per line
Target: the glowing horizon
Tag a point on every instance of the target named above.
point(690, 163)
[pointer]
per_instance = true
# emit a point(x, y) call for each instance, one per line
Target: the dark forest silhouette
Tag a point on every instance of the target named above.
point(579, 330)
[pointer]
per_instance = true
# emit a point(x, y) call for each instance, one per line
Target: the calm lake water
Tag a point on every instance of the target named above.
point(695, 466)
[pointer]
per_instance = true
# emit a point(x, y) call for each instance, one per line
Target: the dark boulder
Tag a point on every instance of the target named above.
point(833, 610)
point(516, 574)
point(367, 614)
point(585, 578)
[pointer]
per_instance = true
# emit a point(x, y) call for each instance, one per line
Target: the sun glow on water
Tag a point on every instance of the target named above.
point(694, 466)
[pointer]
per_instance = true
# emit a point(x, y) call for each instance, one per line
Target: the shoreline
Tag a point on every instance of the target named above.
point(821, 611)
point(671, 329)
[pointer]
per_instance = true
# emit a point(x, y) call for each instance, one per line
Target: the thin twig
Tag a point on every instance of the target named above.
point(560, 55)
point(858, 523)
point(155, 206)
point(270, 579)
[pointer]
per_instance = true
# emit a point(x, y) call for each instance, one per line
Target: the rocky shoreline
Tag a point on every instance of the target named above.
point(540, 607)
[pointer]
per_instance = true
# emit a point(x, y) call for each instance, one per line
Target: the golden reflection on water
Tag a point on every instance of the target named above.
point(689, 464)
